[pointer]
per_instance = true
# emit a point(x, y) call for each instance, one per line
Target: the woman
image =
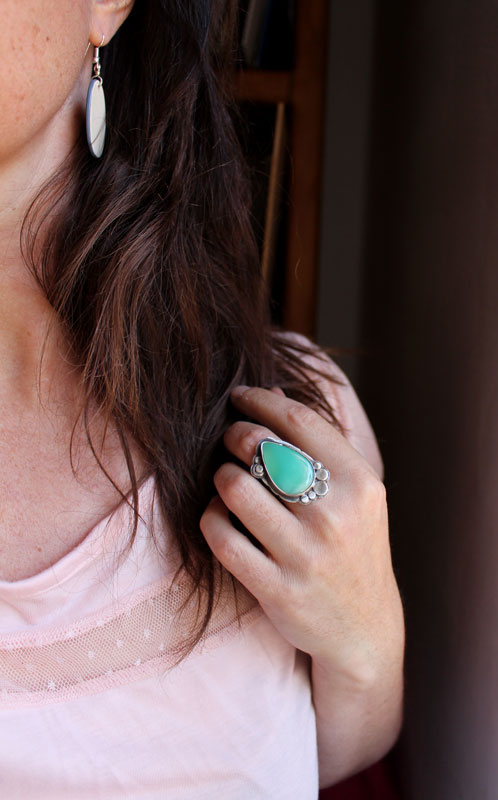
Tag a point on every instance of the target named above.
point(154, 641)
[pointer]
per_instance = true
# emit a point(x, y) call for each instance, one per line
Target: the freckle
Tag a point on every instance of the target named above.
point(39, 549)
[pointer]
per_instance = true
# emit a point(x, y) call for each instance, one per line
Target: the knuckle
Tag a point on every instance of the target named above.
point(373, 491)
point(249, 440)
point(300, 416)
point(228, 551)
point(236, 429)
point(231, 481)
point(245, 436)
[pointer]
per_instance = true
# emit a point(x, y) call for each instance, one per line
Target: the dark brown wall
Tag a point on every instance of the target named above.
point(345, 170)
point(430, 312)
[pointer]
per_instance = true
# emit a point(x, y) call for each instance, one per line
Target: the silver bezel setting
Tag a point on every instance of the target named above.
point(318, 488)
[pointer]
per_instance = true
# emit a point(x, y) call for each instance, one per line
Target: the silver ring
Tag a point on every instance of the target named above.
point(290, 473)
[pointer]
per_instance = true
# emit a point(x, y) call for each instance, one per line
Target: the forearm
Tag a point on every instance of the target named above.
point(357, 721)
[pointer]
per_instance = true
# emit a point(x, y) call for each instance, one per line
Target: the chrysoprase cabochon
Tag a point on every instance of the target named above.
point(290, 471)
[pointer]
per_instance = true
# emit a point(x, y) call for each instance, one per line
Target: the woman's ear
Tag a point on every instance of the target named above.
point(107, 16)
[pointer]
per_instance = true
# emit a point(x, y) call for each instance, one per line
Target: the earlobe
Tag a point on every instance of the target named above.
point(115, 5)
point(107, 17)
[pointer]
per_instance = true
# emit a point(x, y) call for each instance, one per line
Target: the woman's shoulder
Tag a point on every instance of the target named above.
point(342, 397)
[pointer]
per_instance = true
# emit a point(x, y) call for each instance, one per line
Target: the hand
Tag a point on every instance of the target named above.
point(324, 576)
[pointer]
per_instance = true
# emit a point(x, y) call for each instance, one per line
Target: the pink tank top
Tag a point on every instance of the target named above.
point(94, 706)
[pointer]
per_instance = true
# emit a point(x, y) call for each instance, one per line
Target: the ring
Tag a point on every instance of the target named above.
point(290, 473)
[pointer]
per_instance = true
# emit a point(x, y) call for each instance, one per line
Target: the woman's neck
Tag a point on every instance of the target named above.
point(28, 323)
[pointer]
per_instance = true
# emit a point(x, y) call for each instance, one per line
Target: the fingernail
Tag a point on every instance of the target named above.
point(239, 390)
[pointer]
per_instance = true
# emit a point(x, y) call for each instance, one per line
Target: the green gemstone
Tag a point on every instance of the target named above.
point(290, 471)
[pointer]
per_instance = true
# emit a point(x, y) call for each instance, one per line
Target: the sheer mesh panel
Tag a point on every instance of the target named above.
point(141, 636)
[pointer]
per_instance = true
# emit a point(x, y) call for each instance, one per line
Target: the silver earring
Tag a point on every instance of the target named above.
point(95, 108)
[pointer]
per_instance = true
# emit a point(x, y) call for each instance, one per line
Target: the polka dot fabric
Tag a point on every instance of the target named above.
point(94, 704)
point(109, 649)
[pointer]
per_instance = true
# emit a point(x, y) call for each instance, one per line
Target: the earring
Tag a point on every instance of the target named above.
point(95, 107)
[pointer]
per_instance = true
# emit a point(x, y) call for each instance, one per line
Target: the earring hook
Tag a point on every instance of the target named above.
point(96, 58)
point(98, 48)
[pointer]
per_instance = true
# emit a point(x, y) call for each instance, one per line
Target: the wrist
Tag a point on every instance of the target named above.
point(366, 665)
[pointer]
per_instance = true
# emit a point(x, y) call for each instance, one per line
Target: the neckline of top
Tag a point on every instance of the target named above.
point(77, 558)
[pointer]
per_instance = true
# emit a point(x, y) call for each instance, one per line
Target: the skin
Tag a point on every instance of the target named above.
point(324, 578)
point(44, 75)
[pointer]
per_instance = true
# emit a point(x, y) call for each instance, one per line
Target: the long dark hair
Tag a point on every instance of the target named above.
point(152, 266)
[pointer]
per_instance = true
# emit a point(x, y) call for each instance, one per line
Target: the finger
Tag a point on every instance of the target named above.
point(272, 523)
point(242, 438)
point(235, 552)
point(302, 426)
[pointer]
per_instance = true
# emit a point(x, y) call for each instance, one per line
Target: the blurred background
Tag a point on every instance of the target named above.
point(373, 142)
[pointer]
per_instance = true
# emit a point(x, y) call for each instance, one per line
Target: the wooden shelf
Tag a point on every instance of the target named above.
point(302, 90)
point(307, 144)
point(263, 86)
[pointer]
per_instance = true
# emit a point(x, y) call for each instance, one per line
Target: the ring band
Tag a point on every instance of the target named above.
point(290, 473)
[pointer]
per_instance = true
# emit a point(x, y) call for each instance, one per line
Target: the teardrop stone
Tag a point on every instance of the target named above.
point(291, 472)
